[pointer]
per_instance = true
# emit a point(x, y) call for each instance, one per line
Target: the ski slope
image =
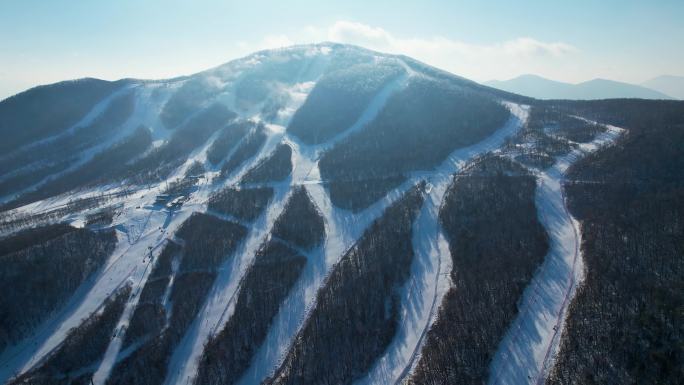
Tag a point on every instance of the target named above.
point(525, 354)
point(431, 268)
point(527, 351)
point(124, 267)
point(343, 228)
point(221, 300)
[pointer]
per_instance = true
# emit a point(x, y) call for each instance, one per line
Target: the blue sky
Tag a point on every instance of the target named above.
point(47, 41)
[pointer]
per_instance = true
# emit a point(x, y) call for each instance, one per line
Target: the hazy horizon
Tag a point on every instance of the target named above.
point(48, 42)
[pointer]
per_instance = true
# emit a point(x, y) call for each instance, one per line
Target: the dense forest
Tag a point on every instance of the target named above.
point(74, 360)
point(55, 264)
point(245, 203)
point(149, 315)
point(496, 243)
point(207, 243)
point(625, 324)
point(112, 160)
point(300, 224)
point(356, 311)
point(276, 269)
point(457, 118)
point(159, 163)
point(70, 142)
point(32, 165)
point(356, 195)
point(369, 163)
point(274, 272)
point(248, 147)
point(229, 138)
point(276, 167)
point(338, 99)
point(49, 110)
point(192, 96)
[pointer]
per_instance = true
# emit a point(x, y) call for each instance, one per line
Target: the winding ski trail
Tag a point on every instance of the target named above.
point(524, 356)
point(527, 351)
point(343, 228)
point(429, 280)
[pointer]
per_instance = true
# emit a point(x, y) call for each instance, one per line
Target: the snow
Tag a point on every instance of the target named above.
point(429, 281)
point(220, 303)
point(111, 354)
point(221, 300)
point(296, 95)
point(526, 353)
point(86, 120)
point(142, 229)
point(125, 266)
point(371, 111)
point(344, 228)
point(145, 113)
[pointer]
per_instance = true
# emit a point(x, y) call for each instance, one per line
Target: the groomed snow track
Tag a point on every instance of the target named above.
point(524, 356)
point(527, 352)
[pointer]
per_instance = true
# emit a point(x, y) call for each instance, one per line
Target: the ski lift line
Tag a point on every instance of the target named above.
point(131, 302)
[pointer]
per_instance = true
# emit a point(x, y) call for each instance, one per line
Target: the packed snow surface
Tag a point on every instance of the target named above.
point(142, 228)
point(429, 281)
point(527, 351)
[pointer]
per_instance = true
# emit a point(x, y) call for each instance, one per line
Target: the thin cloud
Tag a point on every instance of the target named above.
point(498, 60)
point(276, 41)
point(380, 39)
point(529, 46)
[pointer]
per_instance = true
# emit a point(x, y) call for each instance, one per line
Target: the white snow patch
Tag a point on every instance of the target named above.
point(344, 228)
point(527, 352)
point(125, 265)
point(429, 281)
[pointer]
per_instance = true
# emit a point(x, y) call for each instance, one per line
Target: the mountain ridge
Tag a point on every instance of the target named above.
point(542, 88)
point(668, 84)
point(327, 214)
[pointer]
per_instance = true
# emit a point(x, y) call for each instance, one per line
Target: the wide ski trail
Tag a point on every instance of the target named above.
point(527, 351)
point(429, 281)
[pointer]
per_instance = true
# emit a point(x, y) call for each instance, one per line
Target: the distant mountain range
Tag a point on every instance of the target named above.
point(667, 84)
point(664, 87)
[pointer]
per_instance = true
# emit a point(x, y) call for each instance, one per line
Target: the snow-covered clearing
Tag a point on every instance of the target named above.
point(124, 267)
point(220, 303)
point(142, 228)
point(145, 113)
point(527, 352)
point(343, 228)
point(429, 281)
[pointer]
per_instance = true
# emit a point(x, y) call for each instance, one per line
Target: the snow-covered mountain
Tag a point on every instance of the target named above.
point(322, 214)
point(542, 88)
